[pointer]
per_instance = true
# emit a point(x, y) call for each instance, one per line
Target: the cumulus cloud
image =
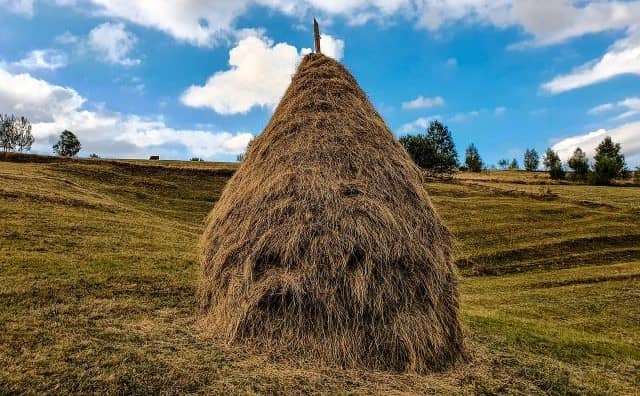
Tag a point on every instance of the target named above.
point(622, 58)
point(53, 108)
point(423, 103)
point(113, 43)
point(208, 22)
point(43, 59)
point(628, 135)
point(259, 73)
point(555, 22)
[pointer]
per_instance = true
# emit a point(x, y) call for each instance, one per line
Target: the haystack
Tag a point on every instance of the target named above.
point(324, 244)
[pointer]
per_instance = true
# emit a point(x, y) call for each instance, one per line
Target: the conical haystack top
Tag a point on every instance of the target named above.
point(324, 243)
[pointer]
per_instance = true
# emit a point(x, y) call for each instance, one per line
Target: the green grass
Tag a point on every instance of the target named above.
point(98, 263)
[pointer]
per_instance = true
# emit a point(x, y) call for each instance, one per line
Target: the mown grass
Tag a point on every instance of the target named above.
point(98, 263)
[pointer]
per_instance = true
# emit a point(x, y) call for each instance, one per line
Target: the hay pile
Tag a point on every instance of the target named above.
point(324, 244)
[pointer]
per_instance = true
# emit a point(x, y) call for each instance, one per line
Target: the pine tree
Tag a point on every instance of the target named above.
point(609, 162)
point(445, 156)
point(472, 159)
point(435, 150)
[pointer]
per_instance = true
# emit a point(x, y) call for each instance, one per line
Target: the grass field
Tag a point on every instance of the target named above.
point(97, 278)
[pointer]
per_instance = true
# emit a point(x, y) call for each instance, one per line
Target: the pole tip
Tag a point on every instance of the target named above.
point(316, 34)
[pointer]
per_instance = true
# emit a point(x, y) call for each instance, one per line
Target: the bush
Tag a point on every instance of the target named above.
point(196, 159)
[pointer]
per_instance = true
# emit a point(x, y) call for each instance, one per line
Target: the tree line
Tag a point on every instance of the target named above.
point(436, 152)
point(16, 136)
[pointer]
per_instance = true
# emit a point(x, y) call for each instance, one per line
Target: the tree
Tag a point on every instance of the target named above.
point(503, 163)
point(531, 160)
point(445, 154)
point(419, 148)
point(579, 164)
point(435, 151)
point(24, 138)
point(609, 162)
point(68, 144)
point(8, 132)
point(472, 159)
point(553, 164)
point(550, 159)
point(514, 164)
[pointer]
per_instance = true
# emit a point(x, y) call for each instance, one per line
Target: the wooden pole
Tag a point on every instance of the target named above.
point(316, 34)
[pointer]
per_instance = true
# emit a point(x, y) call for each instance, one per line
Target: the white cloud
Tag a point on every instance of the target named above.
point(53, 108)
point(500, 110)
point(24, 7)
point(329, 46)
point(452, 63)
point(208, 22)
point(67, 38)
point(417, 125)
point(628, 135)
point(603, 108)
point(630, 106)
point(423, 103)
point(199, 22)
point(461, 117)
point(46, 59)
point(260, 71)
point(554, 22)
point(622, 58)
point(37, 99)
point(113, 43)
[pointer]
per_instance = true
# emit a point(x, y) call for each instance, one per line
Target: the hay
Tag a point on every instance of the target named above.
point(324, 244)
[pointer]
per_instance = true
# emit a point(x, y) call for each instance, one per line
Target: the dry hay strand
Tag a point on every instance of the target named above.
point(324, 244)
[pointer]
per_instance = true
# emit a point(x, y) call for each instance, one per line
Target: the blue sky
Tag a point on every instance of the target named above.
point(199, 78)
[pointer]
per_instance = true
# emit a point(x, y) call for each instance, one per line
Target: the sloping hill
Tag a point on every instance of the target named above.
point(98, 262)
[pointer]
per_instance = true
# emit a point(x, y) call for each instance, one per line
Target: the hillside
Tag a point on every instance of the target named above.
point(98, 261)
